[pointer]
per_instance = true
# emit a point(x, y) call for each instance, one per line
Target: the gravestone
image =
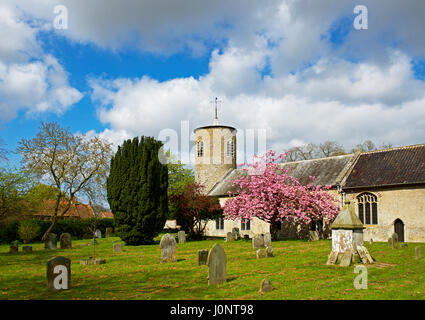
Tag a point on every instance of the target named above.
point(265, 286)
point(269, 251)
point(229, 237)
point(58, 274)
point(50, 242)
point(390, 241)
point(333, 256)
point(364, 255)
point(418, 254)
point(118, 247)
point(13, 249)
point(202, 257)
point(168, 248)
point(394, 240)
point(258, 241)
point(236, 234)
point(65, 241)
point(260, 253)
point(267, 239)
point(181, 235)
point(346, 258)
point(92, 261)
point(313, 235)
point(403, 245)
point(98, 233)
point(108, 232)
point(27, 249)
point(371, 241)
point(216, 265)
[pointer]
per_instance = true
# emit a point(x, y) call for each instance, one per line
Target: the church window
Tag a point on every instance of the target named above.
point(246, 225)
point(368, 208)
point(219, 224)
point(200, 149)
point(230, 148)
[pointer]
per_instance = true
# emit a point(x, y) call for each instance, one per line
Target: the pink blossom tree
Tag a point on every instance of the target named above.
point(269, 193)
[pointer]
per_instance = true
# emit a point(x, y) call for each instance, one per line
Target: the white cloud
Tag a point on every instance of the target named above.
point(29, 79)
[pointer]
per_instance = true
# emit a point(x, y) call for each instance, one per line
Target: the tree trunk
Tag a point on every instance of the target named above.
point(52, 225)
point(274, 230)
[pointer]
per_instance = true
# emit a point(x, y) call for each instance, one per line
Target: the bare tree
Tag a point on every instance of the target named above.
point(331, 148)
point(71, 163)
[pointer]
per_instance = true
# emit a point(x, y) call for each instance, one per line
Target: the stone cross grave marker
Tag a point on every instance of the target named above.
point(58, 274)
point(202, 257)
point(168, 248)
point(181, 235)
point(216, 265)
point(65, 241)
point(258, 241)
point(51, 242)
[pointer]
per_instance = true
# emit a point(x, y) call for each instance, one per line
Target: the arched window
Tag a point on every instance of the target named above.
point(200, 149)
point(230, 148)
point(368, 208)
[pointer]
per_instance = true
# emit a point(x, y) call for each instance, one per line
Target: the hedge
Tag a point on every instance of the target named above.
point(77, 228)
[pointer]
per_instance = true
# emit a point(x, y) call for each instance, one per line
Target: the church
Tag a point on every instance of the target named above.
point(385, 187)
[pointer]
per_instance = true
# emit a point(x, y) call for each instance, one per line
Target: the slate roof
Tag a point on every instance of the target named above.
point(397, 166)
point(328, 171)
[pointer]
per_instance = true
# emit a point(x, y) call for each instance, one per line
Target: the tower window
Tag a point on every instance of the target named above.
point(200, 149)
point(230, 148)
point(368, 208)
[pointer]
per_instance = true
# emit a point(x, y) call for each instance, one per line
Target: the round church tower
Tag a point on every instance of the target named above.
point(215, 153)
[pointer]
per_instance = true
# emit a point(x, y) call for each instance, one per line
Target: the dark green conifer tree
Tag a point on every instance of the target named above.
point(137, 190)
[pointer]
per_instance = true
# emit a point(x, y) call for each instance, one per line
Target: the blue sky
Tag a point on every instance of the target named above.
point(299, 70)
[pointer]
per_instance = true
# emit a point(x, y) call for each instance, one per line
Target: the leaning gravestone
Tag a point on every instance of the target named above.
point(13, 249)
point(333, 256)
point(98, 233)
point(260, 254)
point(118, 247)
point(65, 241)
point(216, 265)
point(265, 286)
point(346, 258)
point(202, 257)
point(267, 239)
point(313, 235)
point(181, 235)
point(418, 254)
point(394, 240)
point(50, 242)
point(27, 249)
point(269, 251)
point(229, 237)
point(168, 248)
point(58, 274)
point(258, 241)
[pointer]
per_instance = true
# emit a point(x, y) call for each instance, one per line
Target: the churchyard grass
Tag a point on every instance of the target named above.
point(298, 270)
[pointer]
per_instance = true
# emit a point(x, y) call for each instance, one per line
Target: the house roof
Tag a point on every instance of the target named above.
point(328, 171)
point(396, 166)
point(77, 210)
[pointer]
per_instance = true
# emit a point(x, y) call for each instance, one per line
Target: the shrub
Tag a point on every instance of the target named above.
point(28, 230)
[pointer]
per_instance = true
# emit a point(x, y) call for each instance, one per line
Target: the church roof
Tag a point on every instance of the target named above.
point(396, 166)
point(328, 171)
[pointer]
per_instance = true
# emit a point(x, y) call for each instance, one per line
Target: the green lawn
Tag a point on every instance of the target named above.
point(298, 271)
